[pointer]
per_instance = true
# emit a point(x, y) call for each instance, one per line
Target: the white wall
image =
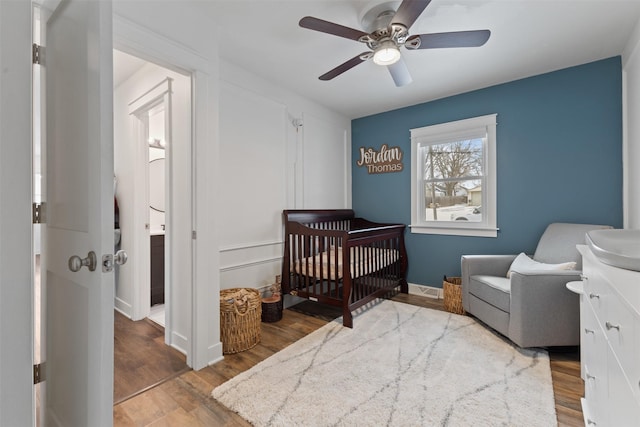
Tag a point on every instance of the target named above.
point(326, 164)
point(631, 149)
point(130, 190)
point(277, 151)
point(253, 169)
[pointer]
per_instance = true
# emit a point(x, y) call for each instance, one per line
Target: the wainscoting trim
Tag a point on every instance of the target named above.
point(250, 246)
point(250, 263)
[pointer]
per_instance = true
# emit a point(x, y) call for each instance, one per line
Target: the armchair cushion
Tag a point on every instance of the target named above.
point(524, 263)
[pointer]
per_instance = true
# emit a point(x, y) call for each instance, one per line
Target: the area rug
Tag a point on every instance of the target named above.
point(401, 365)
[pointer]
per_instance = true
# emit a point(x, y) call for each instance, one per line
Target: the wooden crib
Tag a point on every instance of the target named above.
point(334, 258)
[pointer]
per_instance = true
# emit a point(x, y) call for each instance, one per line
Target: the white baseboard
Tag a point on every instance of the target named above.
point(123, 307)
point(215, 353)
point(425, 291)
point(179, 342)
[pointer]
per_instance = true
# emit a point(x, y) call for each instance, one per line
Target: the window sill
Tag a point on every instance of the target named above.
point(455, 231)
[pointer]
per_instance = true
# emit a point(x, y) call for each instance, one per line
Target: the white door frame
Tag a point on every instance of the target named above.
point(203, 343)
point(16, 278)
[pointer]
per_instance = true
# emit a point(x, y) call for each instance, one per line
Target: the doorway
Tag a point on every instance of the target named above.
point(152, 145)
point(152, 133)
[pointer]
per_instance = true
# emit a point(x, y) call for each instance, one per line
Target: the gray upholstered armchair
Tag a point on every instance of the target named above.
point(532, 307)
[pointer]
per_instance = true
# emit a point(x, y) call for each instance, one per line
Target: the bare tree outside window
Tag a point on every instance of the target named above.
point(451, 171)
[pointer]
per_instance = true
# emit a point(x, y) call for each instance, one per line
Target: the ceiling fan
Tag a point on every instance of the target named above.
point(388, 31)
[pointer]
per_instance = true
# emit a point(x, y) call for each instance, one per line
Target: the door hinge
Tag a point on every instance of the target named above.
point(38, 213)
point(37, 54)
point(193, 234)
point(38, 373)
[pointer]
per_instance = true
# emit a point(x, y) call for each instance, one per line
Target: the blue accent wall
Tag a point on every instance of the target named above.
point(559, 159)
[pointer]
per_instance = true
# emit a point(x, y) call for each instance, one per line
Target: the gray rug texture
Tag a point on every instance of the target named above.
point(401, 365)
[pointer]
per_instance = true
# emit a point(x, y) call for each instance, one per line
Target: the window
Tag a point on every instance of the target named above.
point(453, 169)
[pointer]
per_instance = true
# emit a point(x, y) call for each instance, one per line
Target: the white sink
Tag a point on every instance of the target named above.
point(619, 248)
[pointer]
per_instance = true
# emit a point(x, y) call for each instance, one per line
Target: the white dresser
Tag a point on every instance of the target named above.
point(610, 340)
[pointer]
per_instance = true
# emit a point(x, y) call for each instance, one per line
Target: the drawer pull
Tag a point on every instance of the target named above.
point(591, 422)
point(589, 331)
point(612, 326)
point(590, 377)
point(592, 296)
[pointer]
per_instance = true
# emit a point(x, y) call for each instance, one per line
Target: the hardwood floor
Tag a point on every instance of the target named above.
point(141, 358)
point(185, 400)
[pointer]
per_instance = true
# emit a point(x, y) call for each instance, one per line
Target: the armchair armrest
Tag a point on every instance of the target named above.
point(545, 273)
point(543, 311)
point(488, 265)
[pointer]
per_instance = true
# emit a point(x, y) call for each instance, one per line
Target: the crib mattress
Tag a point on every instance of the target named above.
point(363, 260)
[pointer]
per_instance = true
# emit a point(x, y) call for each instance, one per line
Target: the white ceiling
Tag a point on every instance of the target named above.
point(528, 37)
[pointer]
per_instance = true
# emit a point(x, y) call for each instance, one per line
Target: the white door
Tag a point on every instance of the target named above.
point(79, 217)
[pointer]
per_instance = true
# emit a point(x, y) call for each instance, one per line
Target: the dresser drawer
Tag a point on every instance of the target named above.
point(596, 291)
point(624, 408)
point(620, 326)
point(596, 397)
point(595, 367)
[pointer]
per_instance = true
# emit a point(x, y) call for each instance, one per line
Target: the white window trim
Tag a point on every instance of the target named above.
point(451, 131)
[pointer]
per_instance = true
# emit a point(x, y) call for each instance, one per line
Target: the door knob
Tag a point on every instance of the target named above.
point(120, 257)
point(76, 263)
point(109, 260)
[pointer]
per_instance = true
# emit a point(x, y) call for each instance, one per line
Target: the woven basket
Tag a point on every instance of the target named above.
point(271, 309)
point(240, 312)
point(453, 294)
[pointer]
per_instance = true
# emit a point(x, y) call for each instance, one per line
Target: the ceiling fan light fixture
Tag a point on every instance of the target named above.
point(386, 54)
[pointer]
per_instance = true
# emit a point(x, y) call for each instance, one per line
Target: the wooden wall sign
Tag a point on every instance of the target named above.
point(386, 160)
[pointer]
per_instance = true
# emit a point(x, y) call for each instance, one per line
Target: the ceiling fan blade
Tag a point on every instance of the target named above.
point(454, 39)
point(346, 66)
point(408, 12)
point(400, 73)
point(330, 28)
